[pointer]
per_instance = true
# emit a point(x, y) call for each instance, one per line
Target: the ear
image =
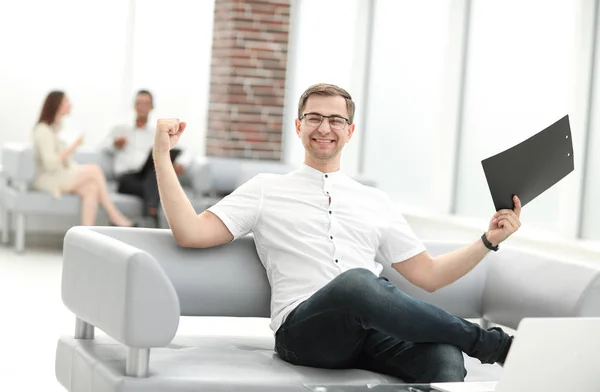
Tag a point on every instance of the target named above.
point(298, 123)
point(350, 132)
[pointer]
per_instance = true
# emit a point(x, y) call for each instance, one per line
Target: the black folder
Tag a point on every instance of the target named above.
point(531, 167)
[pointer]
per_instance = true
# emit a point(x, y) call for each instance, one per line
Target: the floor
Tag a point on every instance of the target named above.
point(33, 318)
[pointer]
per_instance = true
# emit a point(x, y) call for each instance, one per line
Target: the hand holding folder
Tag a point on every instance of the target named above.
point(531, 167)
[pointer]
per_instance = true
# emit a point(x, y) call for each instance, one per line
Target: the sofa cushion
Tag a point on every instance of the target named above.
point(36, 202)
point(130, 206)
point(207, 363)
point(226, 174)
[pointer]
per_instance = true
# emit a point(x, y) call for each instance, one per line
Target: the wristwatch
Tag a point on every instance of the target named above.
point(488, 244)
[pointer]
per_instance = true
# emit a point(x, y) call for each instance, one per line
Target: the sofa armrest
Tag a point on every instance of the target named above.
point(118, 288)
point(18, 163)
point(227, 280)
point(463, 298)
point(525, 284)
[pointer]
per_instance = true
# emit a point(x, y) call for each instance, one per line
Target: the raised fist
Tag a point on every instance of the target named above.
point(168, 131)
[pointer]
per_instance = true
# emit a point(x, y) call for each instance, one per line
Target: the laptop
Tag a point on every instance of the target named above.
point(547, 355)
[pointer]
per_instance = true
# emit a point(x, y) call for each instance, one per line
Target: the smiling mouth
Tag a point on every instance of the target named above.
point(323, 141)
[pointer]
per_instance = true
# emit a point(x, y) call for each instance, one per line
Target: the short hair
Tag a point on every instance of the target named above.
point(328, 90)
point(148, 93)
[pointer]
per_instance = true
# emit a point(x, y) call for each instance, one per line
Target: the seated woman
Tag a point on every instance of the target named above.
point(56, 171)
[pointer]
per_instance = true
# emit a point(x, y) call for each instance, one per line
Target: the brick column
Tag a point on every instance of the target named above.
point(249, 56)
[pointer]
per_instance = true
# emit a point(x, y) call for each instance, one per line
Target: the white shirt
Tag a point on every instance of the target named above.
point(304, 241)
point(136, 150)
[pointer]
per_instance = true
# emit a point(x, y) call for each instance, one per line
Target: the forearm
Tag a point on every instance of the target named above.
point(451, 266)
point(65, 154)
point(177, 207)
point(108, 148)
point(51, 161)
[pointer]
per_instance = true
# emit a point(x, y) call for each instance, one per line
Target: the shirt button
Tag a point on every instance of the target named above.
point(330, 237)
point(336, 260)
point(326, 176)
point(330, 211)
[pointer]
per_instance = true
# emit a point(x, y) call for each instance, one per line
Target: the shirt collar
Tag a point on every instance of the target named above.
point(315, 174)
point(144, 128)
point(56, 127)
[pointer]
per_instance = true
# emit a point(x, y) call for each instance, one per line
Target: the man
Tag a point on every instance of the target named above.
point(318, 233)
point(131, 147)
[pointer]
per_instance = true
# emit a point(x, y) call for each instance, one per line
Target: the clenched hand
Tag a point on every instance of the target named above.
point(168, 132)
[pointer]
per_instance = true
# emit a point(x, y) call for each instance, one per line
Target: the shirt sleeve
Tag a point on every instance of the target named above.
point(398, 241)
point(240, 210)
point(107, 145)
point(45, 143)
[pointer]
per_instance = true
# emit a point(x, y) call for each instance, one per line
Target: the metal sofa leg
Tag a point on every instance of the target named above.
point(138, 362)
point(83, 330)
point(5, 222)
point(20, 232)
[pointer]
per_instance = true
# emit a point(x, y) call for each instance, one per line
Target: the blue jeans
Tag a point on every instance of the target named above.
point(359, 320)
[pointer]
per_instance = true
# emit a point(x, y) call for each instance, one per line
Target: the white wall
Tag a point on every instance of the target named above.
point(591, 206)
point(69, 45)
point(100, 54)
point(171, 57)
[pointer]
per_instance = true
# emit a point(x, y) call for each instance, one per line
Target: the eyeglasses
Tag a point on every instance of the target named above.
point(315, 119)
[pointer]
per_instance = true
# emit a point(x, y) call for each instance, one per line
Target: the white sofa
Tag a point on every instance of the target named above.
point(19, 201)
point(135, 284)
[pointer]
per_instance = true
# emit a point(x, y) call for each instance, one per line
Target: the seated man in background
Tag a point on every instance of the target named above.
point(131, 147)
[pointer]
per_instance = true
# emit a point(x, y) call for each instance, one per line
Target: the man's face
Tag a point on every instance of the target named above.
point(324, 142)
point(143, 105)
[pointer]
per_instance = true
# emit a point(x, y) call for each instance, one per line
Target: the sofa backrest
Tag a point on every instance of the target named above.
point(18, 161)
point(463, 298)
point(541, 285)
point(230, 280)
point(226, 174)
